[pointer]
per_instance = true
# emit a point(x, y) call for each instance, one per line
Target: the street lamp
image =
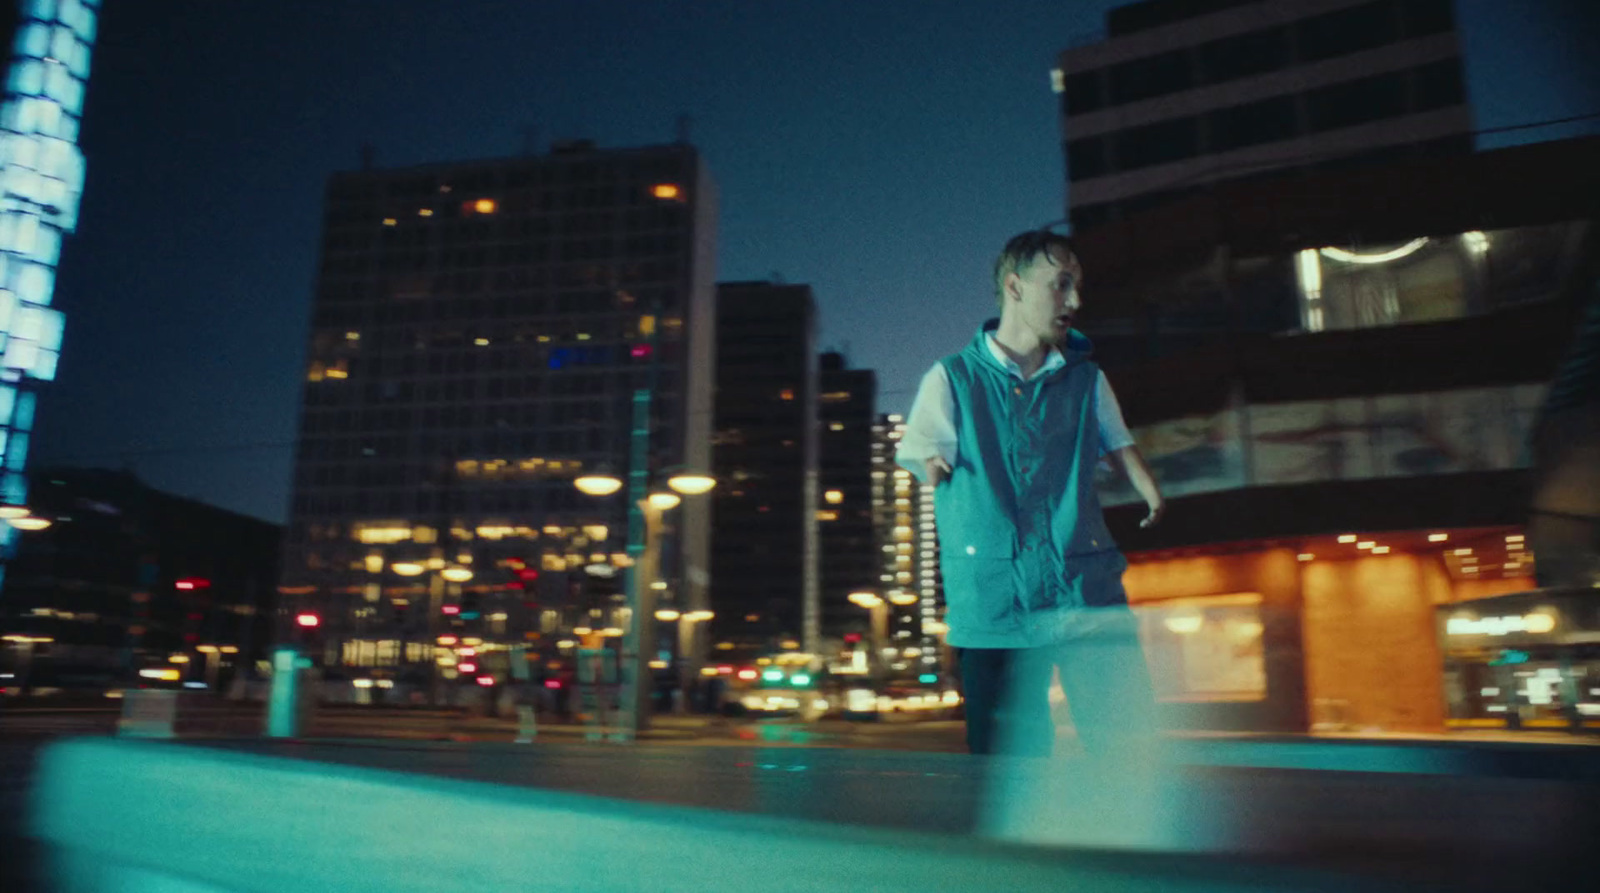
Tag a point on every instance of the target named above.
point(644, 550)
point(879, 610)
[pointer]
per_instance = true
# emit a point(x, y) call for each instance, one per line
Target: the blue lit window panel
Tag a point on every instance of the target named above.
point(22, 420)
point(17, 452)
point(52, 325)
point(13, 489)
point(8, 402)
point(44, 366)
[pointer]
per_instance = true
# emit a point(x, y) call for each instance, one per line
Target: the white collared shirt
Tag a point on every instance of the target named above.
point(931, 425)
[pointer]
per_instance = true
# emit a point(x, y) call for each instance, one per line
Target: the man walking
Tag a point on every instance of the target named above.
point(1009, 431)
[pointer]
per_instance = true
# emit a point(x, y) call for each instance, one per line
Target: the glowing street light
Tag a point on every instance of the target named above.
point(407, 568)
point(598, 484)
point(868, 600)
point(29, 523)
point(691, 483)
point(456, 574)
point(663, 501)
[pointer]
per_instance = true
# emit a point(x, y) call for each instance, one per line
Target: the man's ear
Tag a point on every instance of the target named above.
point(1013, 287)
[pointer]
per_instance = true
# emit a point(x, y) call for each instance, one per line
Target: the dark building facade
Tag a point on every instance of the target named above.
point(1336, 379)
point(851, 557)
point(481, 334)
point(1181, 95)
point(129, 579)
point(764, 554)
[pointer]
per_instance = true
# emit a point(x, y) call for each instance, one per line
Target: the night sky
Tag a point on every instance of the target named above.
point(880, 151)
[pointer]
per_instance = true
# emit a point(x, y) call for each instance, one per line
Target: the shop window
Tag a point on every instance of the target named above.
point(1206, 648)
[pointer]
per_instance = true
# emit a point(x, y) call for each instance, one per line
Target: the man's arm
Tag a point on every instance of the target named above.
point(929, 443)
point(1133, 465)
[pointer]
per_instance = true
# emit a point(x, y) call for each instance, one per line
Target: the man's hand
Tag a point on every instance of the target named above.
point(937, 470)
point(1158, 510)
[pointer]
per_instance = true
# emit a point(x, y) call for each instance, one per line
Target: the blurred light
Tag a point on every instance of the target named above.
point(1463, 552)
point(725, 669)
point(1185, 624)
point(406, 568)
point(386, 683)
point(663, 501)
point(708, 671)
point(582, 631)
point(485, 681)
point(667, 614)
point(699, 615)
point(747, 674)
point(658, 584)
point(389, 221)
point(773, 675)
point(1438, 537)
point(361, 683)
point(1306, 556)
point(307, 620)
point(1366, 544)
point(690, 484)
point(865, 599)
point(448, 640)
point(552, 683)
point(928, 678)
point(13, 511)
point(800, 679)
point(1058, 81)
point(450, 609)
point(425, 212)
point(29, 523)
point(1380, 550)
point(178, 658)
point(484, 206)
point(1539, 622)
point(481, 342)
point(206, 649)
point(833, 497)
point(666, 190)
point(1350, 257)
point(1477, 243)
point(230, 649)
point(165, 673)
point(658, 665)
point(1515, 538)
point(456, 574)
point(467, 668)
point(598, 484)
point(1348, 538)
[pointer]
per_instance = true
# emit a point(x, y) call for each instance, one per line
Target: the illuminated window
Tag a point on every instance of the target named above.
point(484, 206)
point(786, 394)
point(835, 426)
point(834, 497)
point(824, 515)
point(668, 191)
point(424, 212)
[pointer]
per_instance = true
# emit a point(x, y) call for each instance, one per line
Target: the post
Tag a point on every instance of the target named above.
point(638, 490)
point(283, 702)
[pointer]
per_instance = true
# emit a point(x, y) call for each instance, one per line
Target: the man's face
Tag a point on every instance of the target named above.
point(1045, 296)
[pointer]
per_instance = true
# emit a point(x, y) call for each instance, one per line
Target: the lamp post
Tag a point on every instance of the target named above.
point(644, 553)
point(879, 610)
point(687, 671)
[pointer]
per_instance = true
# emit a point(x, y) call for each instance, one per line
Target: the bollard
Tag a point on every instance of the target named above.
point(284, 701)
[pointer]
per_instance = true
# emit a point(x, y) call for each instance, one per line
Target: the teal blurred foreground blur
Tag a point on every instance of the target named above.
point(257, 815)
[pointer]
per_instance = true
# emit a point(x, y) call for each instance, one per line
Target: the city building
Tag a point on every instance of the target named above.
point(847, 409)
point(765, 584)
point(1335, 377)
point(909, 610)
point(130, 585)
point(41, 182)
point(1179, 95)
point(482, 334)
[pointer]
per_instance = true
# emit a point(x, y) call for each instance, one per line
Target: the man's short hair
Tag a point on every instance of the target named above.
point(1020, 253)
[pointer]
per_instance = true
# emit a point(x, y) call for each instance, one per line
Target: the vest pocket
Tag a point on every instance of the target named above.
point(979, 592)
point(1094, 579)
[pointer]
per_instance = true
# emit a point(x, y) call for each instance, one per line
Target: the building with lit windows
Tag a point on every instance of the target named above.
point(765, 584)
point(131, 585)
point(1334, 378)
point(1182, 94)
point(909, 585)
point(479, 332)
point(42, 172)
point(847, 409)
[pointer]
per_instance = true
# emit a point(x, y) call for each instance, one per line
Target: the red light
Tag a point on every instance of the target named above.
point(485, 681)
point(516, 563)
point(468, 668)
point(724, 669)
point(640, 351)
point(552, 683)
point(451, 609)
point(184, 584)
point(852, 637)
point(190, 583)
point(307, 620)
point(527, 573)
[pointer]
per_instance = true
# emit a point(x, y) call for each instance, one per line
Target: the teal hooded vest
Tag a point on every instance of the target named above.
point(1023, 544)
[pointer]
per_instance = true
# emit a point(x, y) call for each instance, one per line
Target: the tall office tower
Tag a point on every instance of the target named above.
point(846, 411)
point(909, 582)
point(1183, 93)
point(41, 180)
point(481, 334)
point(764, 558)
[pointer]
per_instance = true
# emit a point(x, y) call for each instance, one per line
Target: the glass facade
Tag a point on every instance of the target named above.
point(42, 171)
